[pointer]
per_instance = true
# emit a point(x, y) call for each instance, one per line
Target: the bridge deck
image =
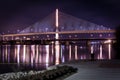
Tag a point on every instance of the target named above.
point(63, 32)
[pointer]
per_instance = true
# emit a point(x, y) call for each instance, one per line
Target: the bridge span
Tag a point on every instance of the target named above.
point(47, 37)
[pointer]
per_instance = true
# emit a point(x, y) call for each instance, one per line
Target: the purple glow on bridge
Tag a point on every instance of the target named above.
point(58, 38)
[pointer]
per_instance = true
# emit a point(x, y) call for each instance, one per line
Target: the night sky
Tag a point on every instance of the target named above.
point(18, 14)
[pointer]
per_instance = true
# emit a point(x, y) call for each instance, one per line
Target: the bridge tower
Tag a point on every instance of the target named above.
point(57, 47)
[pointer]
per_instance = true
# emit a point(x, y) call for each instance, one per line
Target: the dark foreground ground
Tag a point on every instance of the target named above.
point(95, 70)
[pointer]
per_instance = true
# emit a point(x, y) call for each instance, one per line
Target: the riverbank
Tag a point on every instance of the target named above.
point(53, 72)
point(95, 70)
point(87, 70)
point(9, 76)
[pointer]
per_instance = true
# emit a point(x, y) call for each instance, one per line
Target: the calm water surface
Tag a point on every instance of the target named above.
point(39, 57)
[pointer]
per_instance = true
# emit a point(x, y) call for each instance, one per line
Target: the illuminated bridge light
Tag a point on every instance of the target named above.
point(33, 37)
point(109, 35)
point(75, 35)
point(47, 35)
point(69, 36)
point(17, 38)
point(108, 41)
point(100, 35)
point(28, 38)
point(91, 35)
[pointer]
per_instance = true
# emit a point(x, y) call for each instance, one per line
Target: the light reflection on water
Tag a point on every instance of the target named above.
point(34, 55)
point(69, 52)
point(76, 56)
point(101, 57)
point(109, 51)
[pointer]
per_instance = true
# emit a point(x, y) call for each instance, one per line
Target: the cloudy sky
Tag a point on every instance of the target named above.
point(18, 14)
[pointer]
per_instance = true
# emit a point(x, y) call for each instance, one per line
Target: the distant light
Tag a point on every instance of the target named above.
point(109, 29)
point(47, 35)
point(81, 47)
point(69, 36)
point(18, 30)
point(91, 35)
point(109, 35)
point(96, 42)
point(52, 42)
point(100, 35)
point(75, 35)
point(33, 36)
point(108, 41)
point(16, 38)
point(28, 38)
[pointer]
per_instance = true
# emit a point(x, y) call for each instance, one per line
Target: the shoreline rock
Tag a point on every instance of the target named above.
point(6, 76)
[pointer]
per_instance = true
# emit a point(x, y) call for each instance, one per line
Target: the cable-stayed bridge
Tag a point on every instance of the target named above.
point(61, 32)
point(63, 36)
point(69, 28)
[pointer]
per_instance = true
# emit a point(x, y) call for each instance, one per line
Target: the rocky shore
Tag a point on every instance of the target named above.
point(15, 75)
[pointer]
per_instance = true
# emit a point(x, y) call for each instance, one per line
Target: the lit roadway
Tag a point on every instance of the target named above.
point(63, 32)
point(64, 36)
